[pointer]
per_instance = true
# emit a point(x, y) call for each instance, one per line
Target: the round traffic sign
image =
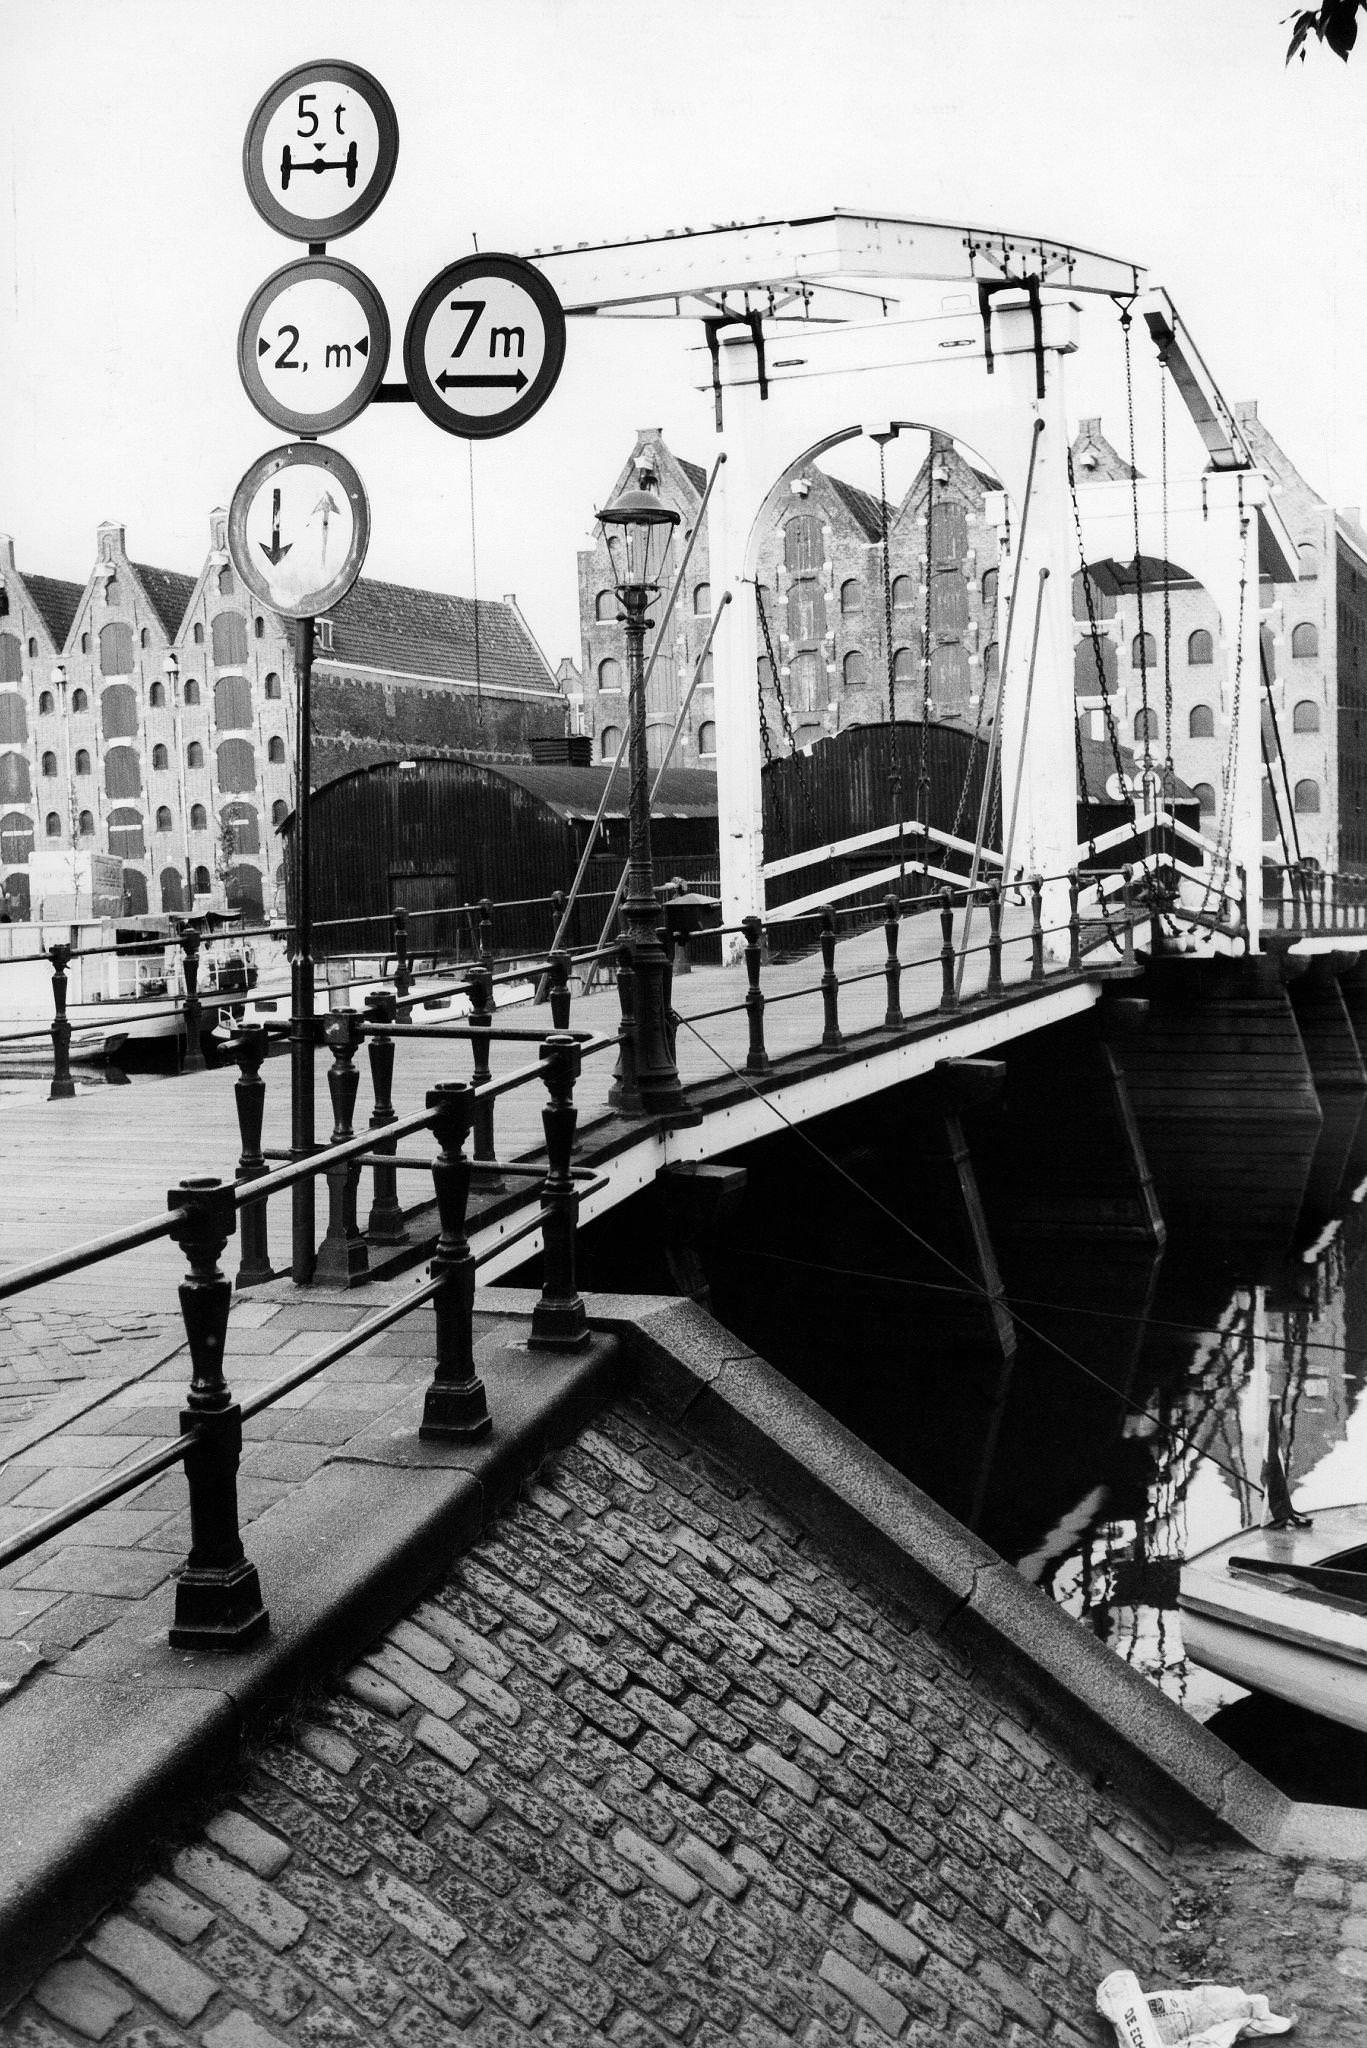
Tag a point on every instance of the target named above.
point(320, 150)
point(298, 529)
point(484, 346)
point(313, 345)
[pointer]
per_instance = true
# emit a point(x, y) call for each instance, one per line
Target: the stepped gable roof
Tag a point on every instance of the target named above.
point(862, 506)
point(576, 792)
point(170, 593)
point(58, 602)
point(1108, 464)
point(432, 633)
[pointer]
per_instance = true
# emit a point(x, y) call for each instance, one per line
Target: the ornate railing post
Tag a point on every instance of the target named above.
point(342, 1256)
point(403, 973)
point(559, 1322)
point(671, 1019)
point(481, 1022)
point(386, 1224)
point(1323, 881)
point(194, 1009)
point(624, 1095)
point(757, 1060)
point(560, 989)
point(1127, 912)
point(1036, 928)
point(949, 995)
point(893, 1020)
point(1074, 923)
point(63, 1087)
point(218, 1594)
point(249, 1093)
point(1280, 873)
point(486, 939)
point(1241, 900)
point(832, 1038)
point(994, 939)
point(455, 1404)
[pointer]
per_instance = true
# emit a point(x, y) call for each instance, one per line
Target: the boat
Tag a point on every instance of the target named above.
point(1282, 1609)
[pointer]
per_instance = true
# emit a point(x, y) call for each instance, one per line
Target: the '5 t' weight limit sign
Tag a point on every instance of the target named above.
point(320, 150)
point(484, 346)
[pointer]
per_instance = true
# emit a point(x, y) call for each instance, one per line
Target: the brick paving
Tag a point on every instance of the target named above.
point(648, 1766)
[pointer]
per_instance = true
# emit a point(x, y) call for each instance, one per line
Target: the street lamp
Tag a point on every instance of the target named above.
point(638, 530)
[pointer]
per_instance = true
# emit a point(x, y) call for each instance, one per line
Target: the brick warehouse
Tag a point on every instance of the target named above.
point(149, 714)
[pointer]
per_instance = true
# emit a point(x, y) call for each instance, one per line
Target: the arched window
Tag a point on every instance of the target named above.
point(1086, 653)
point(122, 774)
point(13, 719)
point(241, 820)
point(272, 685)
point(1205, 797)
point(275, 749)
point(14, 781)
point(198, 634)
point(1103, 601)
point(1310, 568)
point(225, 581)
point(49, 764)
point(86, 825)
point(45, 703)
point(610, 676)
point(1307, 797)
point(856, 669)
point(1305, 642)
point(144, 638)
point(806, 736)
point(32, 648)
point(806, 613)
point(764, 674)
point(79, 701)
point(989, 591)
point(119, 712)
point(609, 740)
point(805, 678)
point(904, 665)
point(82, 761)
point(194, 755)
point(707, 740)
point(259, 627)
point(236, 766)
point(702, 600)
point(1201, 722)
point(164, 819)
point(949, 678)
point(1200, 647)
point(16, 837)
point(280, 810)
point(948, 605)
point(172, 889)
point(191, 690)
point(657, 739)
point(1145, 725)
point(156, 697)
point(16, 891)
point(126, 840)
point(949, 533)
point(606, 605)
point(199, 818)
point(52, 825)
point(11, 659)
point(202, 882)
point(160, 757)
point(85, 643)
point(111, 593)
point(1143, 651)
point(134, 893)
point(802, 545)
point(233, 704)
point(116, 649)
point(851, 598)
point(1305, 717)
point(991, 664)
point(903, 593)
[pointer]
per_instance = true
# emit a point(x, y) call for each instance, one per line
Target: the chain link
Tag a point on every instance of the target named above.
point(794, 756)
point(1125, 324)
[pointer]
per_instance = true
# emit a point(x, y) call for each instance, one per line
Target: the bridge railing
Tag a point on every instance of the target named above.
point(1302, 898)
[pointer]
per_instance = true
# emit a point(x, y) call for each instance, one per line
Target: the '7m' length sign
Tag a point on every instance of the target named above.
point(484, 346)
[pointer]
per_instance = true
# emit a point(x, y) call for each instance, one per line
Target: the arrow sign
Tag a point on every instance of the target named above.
point(298, 529)
point(275, 554)
point(446, 382)
point(484, 346)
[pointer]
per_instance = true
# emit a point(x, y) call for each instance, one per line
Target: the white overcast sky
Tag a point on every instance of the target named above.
point(1168, 131)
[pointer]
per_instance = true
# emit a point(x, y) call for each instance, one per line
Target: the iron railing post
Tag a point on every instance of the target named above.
point(893, 1020)
point(832, 1038)
point(624, 1095)
point(63, 1087)
point(218, 1595)
point(481, 1020)
point(559, 976)
point(1074, 923)
point(403, 973)
point(386, 1224)
point(342, 1256)
point(949, 995)
point(1127, 911)
point(249, 1093)
point(559, 1321)
point(994, 939)
point(757, 1060)
point(1036, 928)
point(193, 1008)
point(455, 1405)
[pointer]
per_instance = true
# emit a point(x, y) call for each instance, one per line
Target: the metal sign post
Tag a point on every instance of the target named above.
point(303, 1253)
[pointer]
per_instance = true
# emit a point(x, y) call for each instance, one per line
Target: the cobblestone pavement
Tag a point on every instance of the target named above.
point(647, 1767)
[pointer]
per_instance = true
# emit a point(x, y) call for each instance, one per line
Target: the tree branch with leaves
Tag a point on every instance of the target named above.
point(1334, 22)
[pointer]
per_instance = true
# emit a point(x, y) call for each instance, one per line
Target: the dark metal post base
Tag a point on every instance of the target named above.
point(218, 1608)
point(455, 1411)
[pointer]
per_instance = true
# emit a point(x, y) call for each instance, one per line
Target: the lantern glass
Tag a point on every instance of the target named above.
point(638, 530)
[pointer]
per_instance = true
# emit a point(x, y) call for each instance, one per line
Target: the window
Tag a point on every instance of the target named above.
point(85, 643)
point(79, 701)
point(764, 674)
point(11, 659)
point(804, 682)
point(275, 749)
point(802, 545)
point(13, 723)
point(32, 648)
point(241, 820)
point(989, 590)
point(225, 581)
point(1145, 725)
point(191, 690)
point(172, 889)
point(160, 758)
point(851, 598)
point(949, 533)
point(904, 665)
point(1088, 654)
point(1305, 717)
point(202, 884)
point(949, 681)
point(1103, 601)
point(111, 593)
point(45, 704)
point(116, 649)
point(991, 664)
point(14, 782)
point(198, 634)
point(199, 818)
point(855, 669)
point(1307, 797)
point(236, 766)
point(156, 697)
point(259, 627)
point(1143, 651)
point(194, 755)
point(609, 740)
point(903, 593)
point(280, 810)
point(49, 764)
point(1205, 797)
point(707, 739)
point(1310, 568)
point(119, 712)
point(1201, 723)
point(1305, 642)
point(86, 825)
point(122, 774)
point(144, 638)
point(16, 837)
point(272, 685)
point(164, 819)
point(52, 825)
point(948, 606)
point(806, 613)
point(610, 675)
point(1200, 647)
point(657, 740)
point(702, 600)
point(82, 761)
point(605, 605)
point(126, 841)
point(233, 704)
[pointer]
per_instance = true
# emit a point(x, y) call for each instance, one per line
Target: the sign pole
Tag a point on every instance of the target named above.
point(301, 963)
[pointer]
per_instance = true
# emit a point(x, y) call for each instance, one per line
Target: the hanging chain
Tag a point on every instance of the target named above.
point(1107, 710)
point(765, 740)
point(923, 755)
point(1224, 841)
point(887, 579)
point(962, 804)
point(1125, 324)
point(799, 770)
point(1169, 772)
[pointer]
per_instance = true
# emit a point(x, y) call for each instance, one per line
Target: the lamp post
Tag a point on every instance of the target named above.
point(638, 529)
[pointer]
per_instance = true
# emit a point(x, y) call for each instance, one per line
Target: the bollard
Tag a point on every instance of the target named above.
point(949, 995)
point(1074, 923)
point(403, 974)
point(386, 1225)
point(218, 1595)
point(249, 1092)
point(63, 1087)
point(757, 1060)
point(624, 1095)
point(893, 1020)
point(455, 1404)
point(831, 1037)
point(560, 989)
point(1036, 928)
point(559, 1321)
point(1126, 911)
point(194, 1009)
point(480, 1020)
point(342, 1256)
point(994, 939)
